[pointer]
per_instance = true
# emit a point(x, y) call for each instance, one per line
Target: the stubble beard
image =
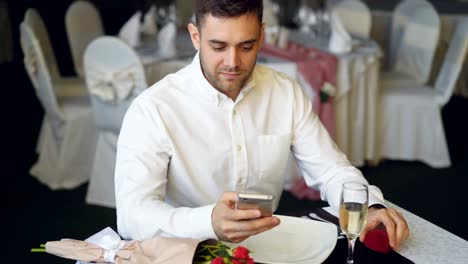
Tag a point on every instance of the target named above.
point(224, 85)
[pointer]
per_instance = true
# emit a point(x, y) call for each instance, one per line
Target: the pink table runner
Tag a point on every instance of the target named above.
point(316, 67)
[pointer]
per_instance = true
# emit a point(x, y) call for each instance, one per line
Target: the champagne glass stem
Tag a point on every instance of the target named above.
point(351, 243)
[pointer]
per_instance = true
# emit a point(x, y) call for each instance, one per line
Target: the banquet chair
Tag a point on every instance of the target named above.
point(415, 55)
point(356, 17)
point(83, 24)
point(412, 127)
point(114, 76)
point(401, 14)
point(67, 137)
point(65, 86)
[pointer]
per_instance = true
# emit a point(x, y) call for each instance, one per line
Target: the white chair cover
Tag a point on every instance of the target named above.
point(419, 42)
point(64, 86)
point(114, 76)
point(412, 127)
point(355, 15)
point(402, 13)
point(453, 63)
point(67, 137)
point(130, 31)
point(83, 24)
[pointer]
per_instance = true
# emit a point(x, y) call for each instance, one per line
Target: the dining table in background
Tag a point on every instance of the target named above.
point(357, 91)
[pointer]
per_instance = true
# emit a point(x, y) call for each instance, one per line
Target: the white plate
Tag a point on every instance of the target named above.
point(295, 240)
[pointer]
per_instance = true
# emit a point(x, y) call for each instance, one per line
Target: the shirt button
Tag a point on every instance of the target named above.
point(239, 147)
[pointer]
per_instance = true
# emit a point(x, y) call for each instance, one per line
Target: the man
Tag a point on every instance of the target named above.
point(224, 125)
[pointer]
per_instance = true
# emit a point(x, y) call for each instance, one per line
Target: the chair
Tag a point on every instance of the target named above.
point(412, 127)
point(402, 13)
point(65, 86)
point(416, 52)
point(67, 137)
point(356, 17)
point(83, 24)
point(114, 77)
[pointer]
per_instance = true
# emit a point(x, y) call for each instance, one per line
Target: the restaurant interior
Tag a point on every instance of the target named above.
point(412, 145)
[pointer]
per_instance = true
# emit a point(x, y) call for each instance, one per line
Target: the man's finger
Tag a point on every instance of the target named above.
point(401, 231)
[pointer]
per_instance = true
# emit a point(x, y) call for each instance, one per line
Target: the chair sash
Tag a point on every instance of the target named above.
point(111, 86)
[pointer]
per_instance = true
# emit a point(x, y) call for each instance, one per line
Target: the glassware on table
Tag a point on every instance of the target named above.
point(354, 203)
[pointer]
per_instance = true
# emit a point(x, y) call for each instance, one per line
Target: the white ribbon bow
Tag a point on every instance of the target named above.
point(108, 240)
point(111, 86)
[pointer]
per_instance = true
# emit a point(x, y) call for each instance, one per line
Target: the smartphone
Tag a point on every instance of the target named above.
point(262, 202)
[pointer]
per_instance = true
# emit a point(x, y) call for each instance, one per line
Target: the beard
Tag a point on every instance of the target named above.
point(224, 84)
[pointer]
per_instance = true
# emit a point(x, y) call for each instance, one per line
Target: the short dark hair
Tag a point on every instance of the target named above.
point(227, 8)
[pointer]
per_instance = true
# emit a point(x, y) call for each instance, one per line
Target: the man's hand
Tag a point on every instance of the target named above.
point(236, 225)
point(394, 222)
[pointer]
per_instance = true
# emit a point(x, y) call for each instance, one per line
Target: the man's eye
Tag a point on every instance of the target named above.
point(247, 48)
point(217, 48)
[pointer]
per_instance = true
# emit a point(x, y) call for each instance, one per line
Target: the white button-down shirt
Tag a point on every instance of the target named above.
point(183, 143)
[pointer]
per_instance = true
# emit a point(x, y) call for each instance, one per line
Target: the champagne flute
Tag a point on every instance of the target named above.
point(353, 212)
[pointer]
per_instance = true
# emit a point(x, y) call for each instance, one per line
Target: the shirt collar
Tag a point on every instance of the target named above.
point(207, 91)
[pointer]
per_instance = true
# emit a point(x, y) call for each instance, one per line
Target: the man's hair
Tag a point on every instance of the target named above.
point(227, 9)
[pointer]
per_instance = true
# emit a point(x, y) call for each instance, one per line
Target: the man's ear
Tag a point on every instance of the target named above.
point(262, 32)
point(194, 35)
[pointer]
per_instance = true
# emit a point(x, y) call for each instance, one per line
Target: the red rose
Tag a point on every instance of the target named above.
point(218, 260)
point(241, 252)
point(250, 261)
point(235, 261)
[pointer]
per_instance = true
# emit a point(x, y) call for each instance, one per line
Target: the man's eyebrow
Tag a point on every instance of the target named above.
point(215, 41)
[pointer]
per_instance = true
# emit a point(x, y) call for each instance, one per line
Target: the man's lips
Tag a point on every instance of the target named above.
point(230, 75)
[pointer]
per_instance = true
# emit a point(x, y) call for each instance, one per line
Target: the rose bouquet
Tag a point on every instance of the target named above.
point(107, 247)
point(215, 252)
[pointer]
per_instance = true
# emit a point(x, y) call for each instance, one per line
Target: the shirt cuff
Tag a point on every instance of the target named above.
point(375, 196)
point(201, 219)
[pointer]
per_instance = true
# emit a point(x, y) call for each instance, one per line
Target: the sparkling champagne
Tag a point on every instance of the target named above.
point(353, 217)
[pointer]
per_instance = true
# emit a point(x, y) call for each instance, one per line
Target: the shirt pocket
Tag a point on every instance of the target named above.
point(273, 155)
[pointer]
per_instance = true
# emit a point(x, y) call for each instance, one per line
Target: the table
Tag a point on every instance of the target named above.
point(355, 103)
point(427, 243)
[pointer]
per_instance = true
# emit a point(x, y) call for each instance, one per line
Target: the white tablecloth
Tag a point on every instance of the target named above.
point(356, 102)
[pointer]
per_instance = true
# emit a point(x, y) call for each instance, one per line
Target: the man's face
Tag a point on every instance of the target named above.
point(228, 50)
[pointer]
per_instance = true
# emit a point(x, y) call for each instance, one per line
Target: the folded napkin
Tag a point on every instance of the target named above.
point(166, 40)
point(107, 247)
point(149, 22)
point(306, 18)
point(130, 31)
point(340, 40)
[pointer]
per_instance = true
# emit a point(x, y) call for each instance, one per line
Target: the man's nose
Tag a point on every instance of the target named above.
point(232, 59)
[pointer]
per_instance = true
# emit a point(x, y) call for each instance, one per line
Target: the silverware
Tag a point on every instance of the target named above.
point(314, 216)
